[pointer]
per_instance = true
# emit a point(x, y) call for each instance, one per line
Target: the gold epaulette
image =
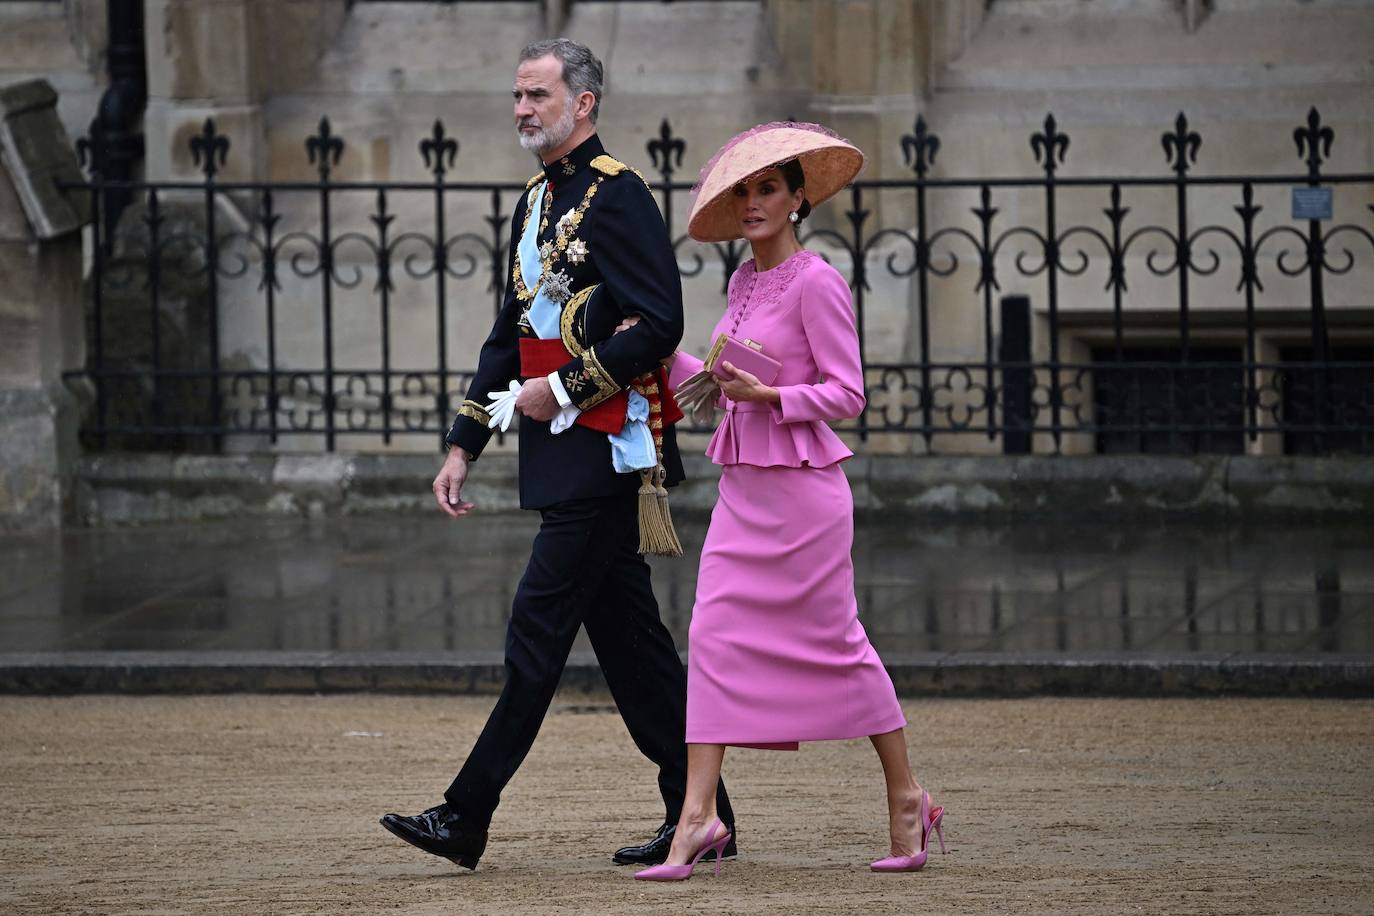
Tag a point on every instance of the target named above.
point(611, 167)
point(534, 181)
point(608, 165)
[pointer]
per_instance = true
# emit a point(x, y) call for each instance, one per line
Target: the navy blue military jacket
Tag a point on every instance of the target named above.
point(625, 248)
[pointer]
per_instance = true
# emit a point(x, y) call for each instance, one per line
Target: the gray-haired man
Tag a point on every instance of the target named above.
point(588, 243)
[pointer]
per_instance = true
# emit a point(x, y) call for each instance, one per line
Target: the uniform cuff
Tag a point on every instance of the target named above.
point(586, 381)
point(468, 434)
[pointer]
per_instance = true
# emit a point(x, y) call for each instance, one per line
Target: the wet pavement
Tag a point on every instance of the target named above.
point(425, 584)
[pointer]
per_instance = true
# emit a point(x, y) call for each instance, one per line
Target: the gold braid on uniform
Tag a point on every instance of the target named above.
point(474, 411)
point(568, 320)
point(594, 372)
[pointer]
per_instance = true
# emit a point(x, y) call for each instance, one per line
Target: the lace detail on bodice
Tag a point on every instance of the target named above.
point(751, 290)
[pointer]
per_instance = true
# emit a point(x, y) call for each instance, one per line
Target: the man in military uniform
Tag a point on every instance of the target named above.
point(588, 249)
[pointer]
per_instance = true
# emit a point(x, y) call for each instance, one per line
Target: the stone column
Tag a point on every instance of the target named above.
point(203, 61)
point(220, 59)
point(872, 63)
point(863, 61)
point(870, 66)
point(948, 26)
point(42, 330)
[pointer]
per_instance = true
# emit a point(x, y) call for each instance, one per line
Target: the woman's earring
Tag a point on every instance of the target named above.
point(792, 217)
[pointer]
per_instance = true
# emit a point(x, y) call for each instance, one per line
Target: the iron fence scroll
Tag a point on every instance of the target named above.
point(1173, 375)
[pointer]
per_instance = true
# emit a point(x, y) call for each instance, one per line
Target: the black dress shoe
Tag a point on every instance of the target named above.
point(655, 852)
point(441, 831)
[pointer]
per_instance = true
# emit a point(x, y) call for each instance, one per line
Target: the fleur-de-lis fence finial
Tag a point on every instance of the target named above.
point(324, 149)
point(1314, 142)
point(209, 149)
point(1050, 146)
point(438, 147)
point(1181, 146)
point(666, 150)
point(919, 147)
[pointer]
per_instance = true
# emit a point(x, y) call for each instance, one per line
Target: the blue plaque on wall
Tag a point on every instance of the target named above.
point(1311, 203)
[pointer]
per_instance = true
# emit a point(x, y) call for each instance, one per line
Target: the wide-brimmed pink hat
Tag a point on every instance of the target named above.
point(828, 160)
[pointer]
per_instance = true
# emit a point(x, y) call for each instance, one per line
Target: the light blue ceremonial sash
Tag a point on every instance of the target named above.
point(544, 312)
point(632, 449)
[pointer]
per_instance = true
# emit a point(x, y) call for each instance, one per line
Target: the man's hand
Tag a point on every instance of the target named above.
point(536, 400)
point(448, 486)
point(631, 321)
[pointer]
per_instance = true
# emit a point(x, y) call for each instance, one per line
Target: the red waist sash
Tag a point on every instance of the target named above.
point(540, 357)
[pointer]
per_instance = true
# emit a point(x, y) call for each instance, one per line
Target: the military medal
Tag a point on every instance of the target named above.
point(557, 286)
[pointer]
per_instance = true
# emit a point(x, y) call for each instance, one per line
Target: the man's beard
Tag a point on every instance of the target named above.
point(549, 137)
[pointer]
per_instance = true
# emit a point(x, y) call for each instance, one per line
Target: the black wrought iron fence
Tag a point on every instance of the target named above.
point(1181, 312)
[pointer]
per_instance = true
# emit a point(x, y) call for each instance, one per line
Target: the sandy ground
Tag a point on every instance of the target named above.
point(269, 804)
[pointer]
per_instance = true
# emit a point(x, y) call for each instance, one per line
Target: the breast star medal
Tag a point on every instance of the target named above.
point(577, 251)
point(567, 221)
point(558, 286)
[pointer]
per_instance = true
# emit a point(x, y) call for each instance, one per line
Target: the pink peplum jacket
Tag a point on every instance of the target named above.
point(802, 314)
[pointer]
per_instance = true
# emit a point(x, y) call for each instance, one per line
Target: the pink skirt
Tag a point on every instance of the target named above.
point(776, 654)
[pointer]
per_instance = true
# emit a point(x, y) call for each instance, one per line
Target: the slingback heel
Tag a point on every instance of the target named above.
point(667, 872)
point(931, 820)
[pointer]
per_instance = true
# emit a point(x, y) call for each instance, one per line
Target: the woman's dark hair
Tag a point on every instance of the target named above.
point(794, 176)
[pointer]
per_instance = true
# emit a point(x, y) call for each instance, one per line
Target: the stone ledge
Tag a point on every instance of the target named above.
point(934, 674)
point(124, 488)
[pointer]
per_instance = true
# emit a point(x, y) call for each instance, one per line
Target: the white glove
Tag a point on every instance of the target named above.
point(502, 406)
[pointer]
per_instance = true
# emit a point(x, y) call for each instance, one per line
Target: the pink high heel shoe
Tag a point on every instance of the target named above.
point(683, 872)
point(931, 819)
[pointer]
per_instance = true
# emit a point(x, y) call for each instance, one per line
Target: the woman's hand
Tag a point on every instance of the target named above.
point(742, 386)
point(632, 320)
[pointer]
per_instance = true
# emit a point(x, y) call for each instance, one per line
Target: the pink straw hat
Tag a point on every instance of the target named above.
point(829, 162)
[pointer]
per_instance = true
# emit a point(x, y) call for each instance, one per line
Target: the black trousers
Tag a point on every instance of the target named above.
point(585, 570)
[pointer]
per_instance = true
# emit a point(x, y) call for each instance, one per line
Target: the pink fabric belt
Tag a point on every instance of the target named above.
point(749, 434)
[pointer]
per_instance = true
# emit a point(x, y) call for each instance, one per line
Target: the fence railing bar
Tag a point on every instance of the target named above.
point(1122, 390)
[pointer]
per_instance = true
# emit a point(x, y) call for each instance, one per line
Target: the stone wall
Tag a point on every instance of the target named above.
point(41, 328)
point(1115, 73)
point(122, 489)
point(62, 43)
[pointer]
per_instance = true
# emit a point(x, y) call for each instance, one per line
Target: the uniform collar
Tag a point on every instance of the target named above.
point(560, 170)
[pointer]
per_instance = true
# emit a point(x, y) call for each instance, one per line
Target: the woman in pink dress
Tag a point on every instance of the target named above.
point(776, 653)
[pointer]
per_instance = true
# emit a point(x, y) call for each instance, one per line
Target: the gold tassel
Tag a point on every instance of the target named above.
point(648, 508)
point(671, 542)
point(656, 534)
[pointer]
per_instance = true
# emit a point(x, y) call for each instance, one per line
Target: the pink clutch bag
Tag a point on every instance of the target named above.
point(742, 354)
